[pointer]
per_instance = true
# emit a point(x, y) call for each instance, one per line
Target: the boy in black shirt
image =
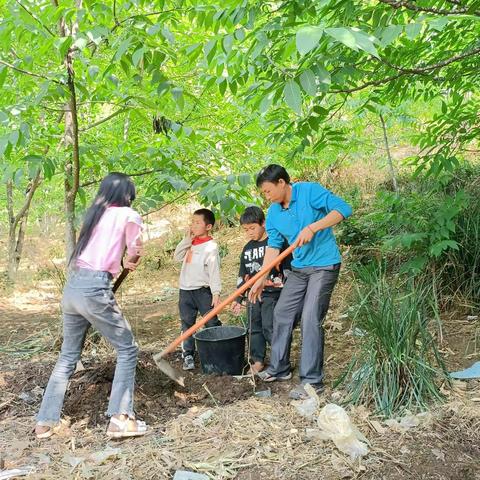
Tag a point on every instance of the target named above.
point(260, 314)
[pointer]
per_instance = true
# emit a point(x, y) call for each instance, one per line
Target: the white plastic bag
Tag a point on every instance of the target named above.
point(335, 425)
point(308, 407)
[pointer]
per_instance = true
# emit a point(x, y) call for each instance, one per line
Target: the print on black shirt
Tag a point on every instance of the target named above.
point(251, 262)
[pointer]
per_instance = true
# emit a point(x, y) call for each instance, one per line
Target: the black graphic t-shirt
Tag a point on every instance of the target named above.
point(251, 262)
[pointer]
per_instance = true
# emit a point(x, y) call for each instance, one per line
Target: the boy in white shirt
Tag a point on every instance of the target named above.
point(200, 282)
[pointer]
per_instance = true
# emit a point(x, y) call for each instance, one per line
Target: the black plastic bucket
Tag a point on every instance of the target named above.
point(221, 349)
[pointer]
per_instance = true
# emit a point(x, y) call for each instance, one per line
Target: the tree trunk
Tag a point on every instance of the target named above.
point(17, 225)
point(72, 164)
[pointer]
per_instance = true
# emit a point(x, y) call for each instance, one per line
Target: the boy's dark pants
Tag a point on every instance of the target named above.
point(260, 320)
point(311, 288)
point(192, 302)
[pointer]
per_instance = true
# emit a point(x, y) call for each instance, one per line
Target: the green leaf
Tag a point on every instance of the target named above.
point(34, 164)
point(227, 43)
point(413, 29)
point(308, 82)
point(390, 33)
point(266, 103)
point(154, 29)
point(14, 137)
point(324, 78)
point(18, 177)
point(97, 34)
point(209, 49)
point(122, 48)
point(365, 42)
point(138, 56)
point(293, 96)
point(240, 34)
point(343, 35)
point(48, 168)
point(439, 23)
point(63, 44)
point(168, 35)
point(244, 179)
point(93, 71)
point(163, 87)
point(222, 85)
point(314, 122)
point(414, 265)
point(439, 247)
point(4, 143)
point(3, 75)
point(177, 94)
point(307, 38)
point(80, 43)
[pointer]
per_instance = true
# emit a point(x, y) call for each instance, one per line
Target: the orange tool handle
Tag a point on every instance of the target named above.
point(227, 301)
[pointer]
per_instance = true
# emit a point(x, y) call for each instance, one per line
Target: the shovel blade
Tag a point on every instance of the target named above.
point(168, 370)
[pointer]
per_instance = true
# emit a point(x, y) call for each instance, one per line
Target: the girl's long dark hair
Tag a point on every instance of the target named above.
point(116, 189)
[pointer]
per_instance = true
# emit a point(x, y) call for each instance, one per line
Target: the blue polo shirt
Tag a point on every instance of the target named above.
point(310, 202)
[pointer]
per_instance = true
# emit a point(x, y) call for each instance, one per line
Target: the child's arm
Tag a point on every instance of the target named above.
point(215, 281)
point(275, 243)
point(133, 243)
point(256, 291)
point(182, 248)
point(242, 274)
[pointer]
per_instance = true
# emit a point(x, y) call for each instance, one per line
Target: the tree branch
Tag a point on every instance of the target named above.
point(26, 72)
point(135, 174)
point(36, 19)
point(428, 68)
point(115, 13)
point(31, 190)
point(119, 23)
point(437, 11)
point(389, 156)
point(409, 71)
point(103, 120)
point(169, 203)
point(11, 215)
point(72, 103)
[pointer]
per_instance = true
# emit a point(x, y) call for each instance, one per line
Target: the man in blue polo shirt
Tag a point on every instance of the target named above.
point(303, 214)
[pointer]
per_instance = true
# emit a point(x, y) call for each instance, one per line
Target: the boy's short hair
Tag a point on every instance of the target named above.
point(208, 216)
point(272, 173)
point(252, 215)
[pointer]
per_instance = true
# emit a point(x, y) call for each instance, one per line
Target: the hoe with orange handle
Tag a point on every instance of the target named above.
point(159, 359)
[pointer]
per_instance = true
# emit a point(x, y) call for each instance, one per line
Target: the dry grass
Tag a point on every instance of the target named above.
point(264, 436)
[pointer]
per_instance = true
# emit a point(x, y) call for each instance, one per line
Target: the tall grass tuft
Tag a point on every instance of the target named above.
point(460, 279)
point(397, 365)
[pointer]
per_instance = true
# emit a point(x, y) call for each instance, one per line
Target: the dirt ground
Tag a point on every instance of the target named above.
point(247, 437)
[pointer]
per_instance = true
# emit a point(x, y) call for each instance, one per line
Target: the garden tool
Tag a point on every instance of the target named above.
point(177, 375)
point(123, 275)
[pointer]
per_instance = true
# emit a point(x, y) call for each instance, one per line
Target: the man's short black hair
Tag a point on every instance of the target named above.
point(272, 173)
point(208, 216)
point(252, 215)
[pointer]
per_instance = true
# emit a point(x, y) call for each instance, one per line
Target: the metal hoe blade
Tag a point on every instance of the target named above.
point(168, 370)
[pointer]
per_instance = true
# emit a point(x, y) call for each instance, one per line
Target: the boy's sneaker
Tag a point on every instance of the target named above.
point(188, 362)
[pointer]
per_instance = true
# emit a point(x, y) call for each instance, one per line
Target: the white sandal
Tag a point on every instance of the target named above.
point(46, 434)
point(123, 431)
